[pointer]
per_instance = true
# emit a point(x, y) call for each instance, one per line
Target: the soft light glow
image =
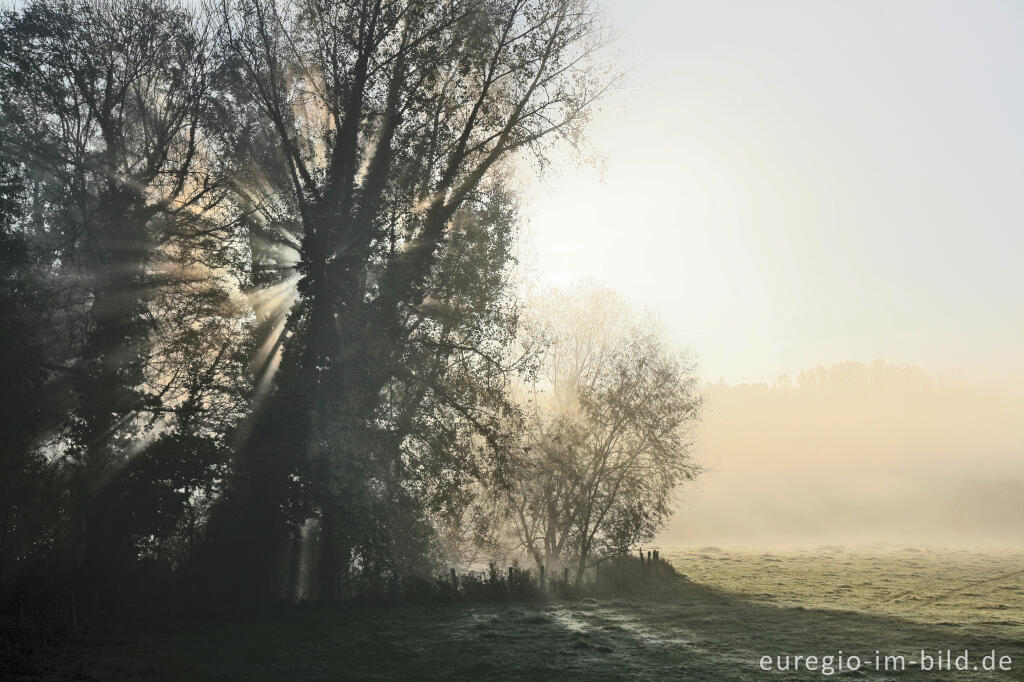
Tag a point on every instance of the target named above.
point(797, 184)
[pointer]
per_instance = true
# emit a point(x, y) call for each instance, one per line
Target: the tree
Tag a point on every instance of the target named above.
point(103, 106)
point(29, 501)
point(606, 440)
point(271, 242)
point(386, 117)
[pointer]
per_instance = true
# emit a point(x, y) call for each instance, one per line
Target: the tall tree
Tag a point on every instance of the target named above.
point(105, 103)
point(387, 118)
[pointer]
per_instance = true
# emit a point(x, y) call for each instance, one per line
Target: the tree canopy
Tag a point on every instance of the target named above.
point(256, 288)
point(606, 436)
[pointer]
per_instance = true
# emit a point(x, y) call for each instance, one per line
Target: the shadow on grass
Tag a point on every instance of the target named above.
point(672, 629)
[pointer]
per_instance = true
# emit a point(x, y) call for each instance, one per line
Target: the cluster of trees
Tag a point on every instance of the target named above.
point(256, 279)
point(606, 435)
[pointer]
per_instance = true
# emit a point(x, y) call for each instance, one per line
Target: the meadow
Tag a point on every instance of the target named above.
point(714, 621)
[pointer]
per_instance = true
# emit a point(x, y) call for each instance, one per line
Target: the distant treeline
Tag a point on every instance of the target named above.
point(260, 331)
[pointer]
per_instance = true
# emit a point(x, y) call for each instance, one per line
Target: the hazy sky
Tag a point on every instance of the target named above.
point(795, 184)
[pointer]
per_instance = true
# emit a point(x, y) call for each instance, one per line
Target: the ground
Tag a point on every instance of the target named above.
point(715, 621)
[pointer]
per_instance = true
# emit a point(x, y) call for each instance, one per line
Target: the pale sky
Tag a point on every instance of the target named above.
point(791, 184)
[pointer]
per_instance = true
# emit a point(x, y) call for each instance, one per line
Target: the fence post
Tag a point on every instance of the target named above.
point(542, 576)
point(510, 576)
point(656, 556)
point(455, 583)
point(565, 575)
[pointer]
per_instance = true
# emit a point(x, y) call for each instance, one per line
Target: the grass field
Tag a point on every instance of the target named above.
point(715, 623)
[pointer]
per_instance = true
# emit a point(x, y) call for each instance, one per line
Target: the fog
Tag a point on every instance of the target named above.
point(856, 453)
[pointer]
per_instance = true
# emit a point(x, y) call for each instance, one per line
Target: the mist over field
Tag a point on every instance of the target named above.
point(857, 453)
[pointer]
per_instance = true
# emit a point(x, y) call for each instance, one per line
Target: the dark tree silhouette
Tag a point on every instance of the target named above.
point(103, 106)
point(387, 118)
point(256, 261)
